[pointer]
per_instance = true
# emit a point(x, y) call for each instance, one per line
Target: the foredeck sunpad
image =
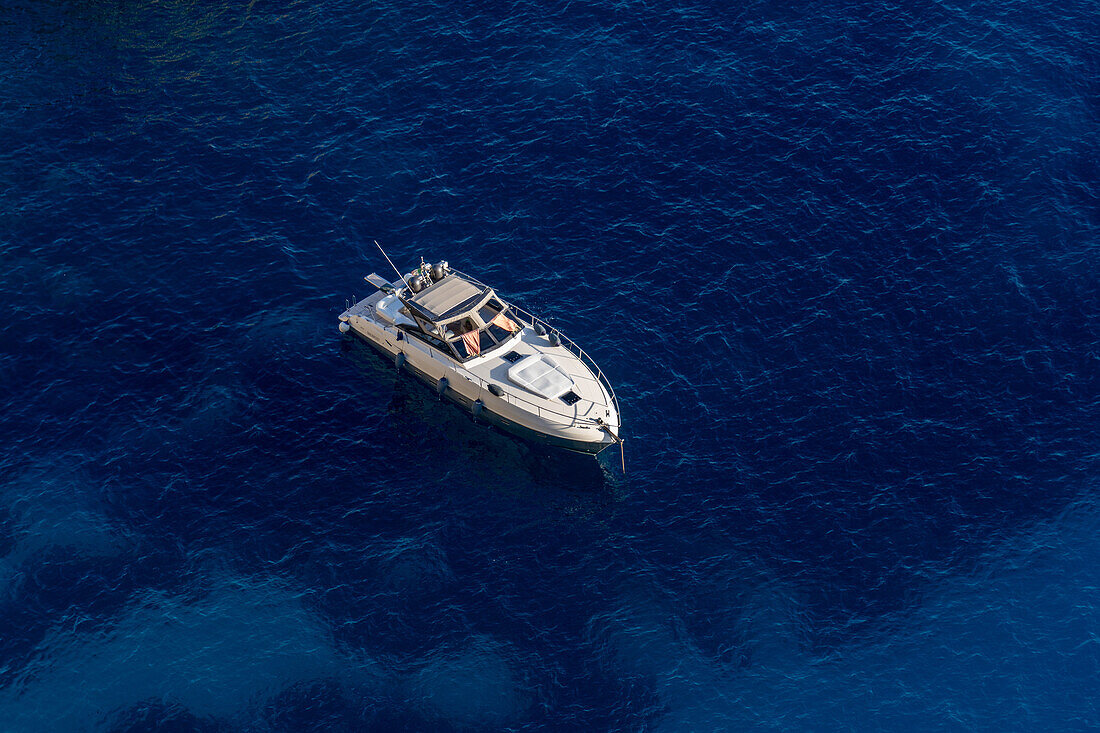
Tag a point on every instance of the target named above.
point(542, 375)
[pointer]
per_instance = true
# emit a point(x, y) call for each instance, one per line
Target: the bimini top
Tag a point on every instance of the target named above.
point(447, 299)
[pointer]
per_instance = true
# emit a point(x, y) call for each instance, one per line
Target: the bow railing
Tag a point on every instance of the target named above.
point(567, 342)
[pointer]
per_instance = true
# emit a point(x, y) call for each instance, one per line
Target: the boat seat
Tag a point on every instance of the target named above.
point(389, 309)
point(542, 375)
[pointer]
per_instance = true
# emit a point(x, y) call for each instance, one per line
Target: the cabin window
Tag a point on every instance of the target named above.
point(484, 340)
point(488, 338)
point(498, 333)
point(460, 346)
point(487, 312)
point(431, 340)
point(487, 342)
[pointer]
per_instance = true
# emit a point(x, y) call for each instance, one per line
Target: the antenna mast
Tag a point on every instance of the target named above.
point(376, 244)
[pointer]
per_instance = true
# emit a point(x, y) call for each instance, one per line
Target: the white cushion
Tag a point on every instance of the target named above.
point(390, 310)
point(541, 375)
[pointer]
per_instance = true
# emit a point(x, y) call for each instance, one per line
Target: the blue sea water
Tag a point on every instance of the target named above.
point(840, 261)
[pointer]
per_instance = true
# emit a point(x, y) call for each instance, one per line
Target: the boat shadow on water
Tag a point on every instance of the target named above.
point(419, 421)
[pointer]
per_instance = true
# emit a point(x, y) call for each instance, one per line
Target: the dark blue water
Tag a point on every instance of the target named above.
point(840, 261)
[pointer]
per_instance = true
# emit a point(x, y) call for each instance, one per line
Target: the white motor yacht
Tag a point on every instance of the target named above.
point(495, 360)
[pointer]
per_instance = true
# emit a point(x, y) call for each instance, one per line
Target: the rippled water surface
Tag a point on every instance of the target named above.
point(840, 262)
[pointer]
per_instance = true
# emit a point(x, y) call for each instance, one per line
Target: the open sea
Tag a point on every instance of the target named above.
point(840, 260)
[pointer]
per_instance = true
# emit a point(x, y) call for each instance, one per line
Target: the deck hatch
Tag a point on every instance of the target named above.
point(570, 398)
point(512, 357)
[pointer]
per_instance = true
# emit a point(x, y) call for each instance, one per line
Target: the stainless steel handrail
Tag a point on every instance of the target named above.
point(580, 353)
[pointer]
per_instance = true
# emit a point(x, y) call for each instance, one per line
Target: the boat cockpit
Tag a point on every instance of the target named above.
point(458, 317)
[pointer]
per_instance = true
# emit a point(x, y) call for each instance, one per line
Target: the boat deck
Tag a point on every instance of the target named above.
point(493, 368)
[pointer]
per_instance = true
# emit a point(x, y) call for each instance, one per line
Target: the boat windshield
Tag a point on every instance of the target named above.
point(470, 338)
point(495, 315)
